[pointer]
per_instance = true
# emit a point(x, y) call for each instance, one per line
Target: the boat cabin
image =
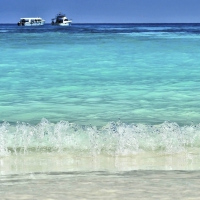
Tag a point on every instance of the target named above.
point(31, 21)
point(61, 20)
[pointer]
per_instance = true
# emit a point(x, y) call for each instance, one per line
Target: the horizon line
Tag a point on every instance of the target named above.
point(123, 23)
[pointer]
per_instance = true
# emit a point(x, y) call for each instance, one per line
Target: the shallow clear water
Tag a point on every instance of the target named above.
point(94, 74)
point(99, 97)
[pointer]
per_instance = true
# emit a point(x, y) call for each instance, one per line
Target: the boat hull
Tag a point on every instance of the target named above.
point(30, 24)
point(61, 24)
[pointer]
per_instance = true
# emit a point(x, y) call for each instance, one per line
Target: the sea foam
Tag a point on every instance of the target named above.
point(116, 138)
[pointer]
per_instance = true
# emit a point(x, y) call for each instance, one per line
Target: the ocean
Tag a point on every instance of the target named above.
point(98, 105)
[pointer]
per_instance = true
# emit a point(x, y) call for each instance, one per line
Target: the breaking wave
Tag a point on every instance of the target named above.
point(116, 138)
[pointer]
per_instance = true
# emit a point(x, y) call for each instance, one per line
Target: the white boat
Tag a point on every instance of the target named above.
point(37, 21)
point(61, 20)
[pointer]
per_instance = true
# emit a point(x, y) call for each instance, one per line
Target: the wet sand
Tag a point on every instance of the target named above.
point(139, 184)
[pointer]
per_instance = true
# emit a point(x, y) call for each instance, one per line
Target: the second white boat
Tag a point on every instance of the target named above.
point(61, 20)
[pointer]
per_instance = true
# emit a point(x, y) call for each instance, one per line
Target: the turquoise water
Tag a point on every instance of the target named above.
point(96, 110)
point(95, 74)
point(111, 89)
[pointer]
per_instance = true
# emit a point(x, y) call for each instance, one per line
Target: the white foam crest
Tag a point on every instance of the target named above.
point(169, 35)
point(3, 137)
point(116, 138)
